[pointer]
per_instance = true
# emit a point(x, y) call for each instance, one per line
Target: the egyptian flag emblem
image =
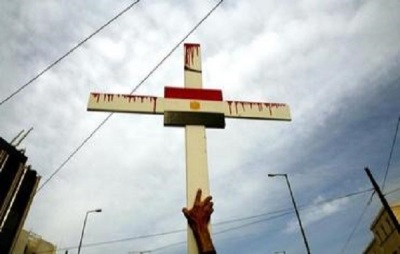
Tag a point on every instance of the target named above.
point(191, 106)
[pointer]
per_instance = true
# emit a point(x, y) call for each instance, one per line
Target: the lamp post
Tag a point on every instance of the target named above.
point(84, 225)
point(295, 208)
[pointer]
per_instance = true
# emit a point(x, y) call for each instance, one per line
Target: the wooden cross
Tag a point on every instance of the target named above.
point(195, 109)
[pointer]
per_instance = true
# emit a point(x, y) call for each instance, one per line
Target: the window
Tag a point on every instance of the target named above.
point(388, 223)
point(384, 231)
point(3, 159)
point(378, 236)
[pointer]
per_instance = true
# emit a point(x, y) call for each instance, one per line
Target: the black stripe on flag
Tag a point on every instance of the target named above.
point(209, 120)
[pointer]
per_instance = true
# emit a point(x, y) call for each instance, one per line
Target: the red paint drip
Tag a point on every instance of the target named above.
point(260, 106)
point(268, 105)
point(190, 50)
point(133, 98)
point(96, 96)
point(243, 106)
point(108, 97)
point(236, 106)
point(274, 105)
point(154, 104)
point(230, 107)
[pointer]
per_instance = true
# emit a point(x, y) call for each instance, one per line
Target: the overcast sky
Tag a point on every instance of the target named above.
point(336, 63)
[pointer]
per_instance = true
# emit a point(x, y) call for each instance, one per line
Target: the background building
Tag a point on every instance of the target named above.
point(18, 184)
point(31, 243)
point(386, 238)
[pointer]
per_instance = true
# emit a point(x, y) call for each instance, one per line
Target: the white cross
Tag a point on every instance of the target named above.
point(195, 109)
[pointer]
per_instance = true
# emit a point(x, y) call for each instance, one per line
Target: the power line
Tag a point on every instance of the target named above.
point(357, 223)
point(390, 154)
point(271, 214)
point(133, 90)
point(225, 230)
point(281, 213)
point(254, 222)
point(337, 198)
point(74, 152)
point(125, 239)
point(392, 191)
point(361, 216)
point(68, 53)
point(168, 246)
point(252, 217)
point(291, 209)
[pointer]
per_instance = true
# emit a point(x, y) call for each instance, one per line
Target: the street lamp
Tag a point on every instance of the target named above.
point(84, 225)
point(295, 208)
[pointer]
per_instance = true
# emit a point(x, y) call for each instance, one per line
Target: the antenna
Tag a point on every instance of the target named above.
point(18, 142)
point(16, 137)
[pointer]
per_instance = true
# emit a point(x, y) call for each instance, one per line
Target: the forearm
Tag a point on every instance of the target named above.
point(203, 240)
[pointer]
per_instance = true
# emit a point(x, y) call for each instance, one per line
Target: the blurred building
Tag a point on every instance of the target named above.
point(18, 184)
point(386, 238)
point(31, 243)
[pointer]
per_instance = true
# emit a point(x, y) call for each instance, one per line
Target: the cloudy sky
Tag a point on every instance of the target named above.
point(336, 63)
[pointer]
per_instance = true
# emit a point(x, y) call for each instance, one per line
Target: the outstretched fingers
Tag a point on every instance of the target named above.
point(198, 197)
point(206, 204)
point(209, 206)
point(207, 200)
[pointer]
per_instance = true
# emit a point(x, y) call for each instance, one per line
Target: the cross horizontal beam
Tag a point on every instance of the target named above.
point(158, 105)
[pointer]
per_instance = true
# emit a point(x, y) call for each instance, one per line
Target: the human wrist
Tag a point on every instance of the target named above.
point(203, 239)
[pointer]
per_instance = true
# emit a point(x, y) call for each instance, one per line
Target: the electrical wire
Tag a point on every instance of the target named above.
point(392, 191)
point(124, 239)
point(168, 246)
point(291, 209)
point(389, 160)
point(278, 214)
point(68, 53)
point(272, 215)
point(252, 217)
point(357, 223)
point(281, 213)
point(226, 230)
point(390, 154)
point(133, 90)
point(254, 222)
point(334, 199)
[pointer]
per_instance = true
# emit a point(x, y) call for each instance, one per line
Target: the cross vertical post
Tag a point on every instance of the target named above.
point(196, 143)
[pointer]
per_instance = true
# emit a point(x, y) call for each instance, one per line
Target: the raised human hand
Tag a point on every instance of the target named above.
point(198, 218)
point(200, 214)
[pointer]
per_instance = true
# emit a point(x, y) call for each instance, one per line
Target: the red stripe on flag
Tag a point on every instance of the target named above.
point(193, 93)
point(191, 45)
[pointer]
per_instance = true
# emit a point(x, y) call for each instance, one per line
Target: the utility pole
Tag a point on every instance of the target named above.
point(383, 200)
point(296, 210)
